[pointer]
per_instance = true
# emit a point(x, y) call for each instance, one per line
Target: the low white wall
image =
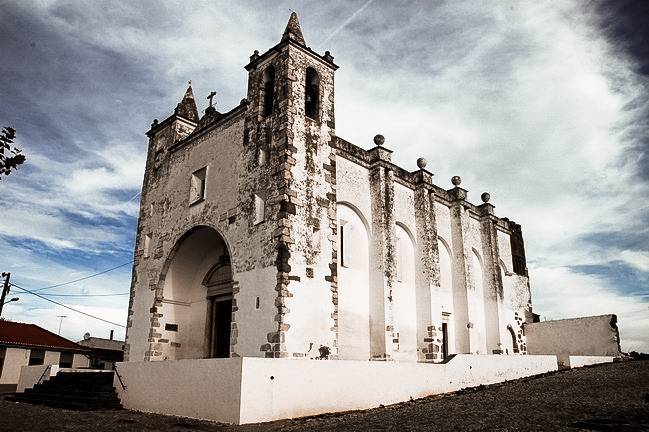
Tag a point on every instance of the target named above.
point(248, 390)
point(202, 388)
point(29, 375)
point(80, 361)
point(15, 358)
point(579, 361)
point(584, 336)
point(283, 388)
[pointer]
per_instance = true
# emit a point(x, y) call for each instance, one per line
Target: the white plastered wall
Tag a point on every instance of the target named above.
point(404, 304)
point(15, 358)
point(353, 285)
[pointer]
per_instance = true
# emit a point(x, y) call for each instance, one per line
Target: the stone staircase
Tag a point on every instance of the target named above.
point(73, 390)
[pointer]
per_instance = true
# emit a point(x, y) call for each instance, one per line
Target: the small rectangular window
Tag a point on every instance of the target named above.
point(3, 352)
point(171, 327)
point(343, 263)
point(316, 239)
point(197, 186)
point(147, 246)
point(36, 357)
point(65, 360)
point(260, 210)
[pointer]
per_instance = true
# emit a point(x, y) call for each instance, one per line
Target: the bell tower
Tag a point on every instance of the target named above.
point(289, 152)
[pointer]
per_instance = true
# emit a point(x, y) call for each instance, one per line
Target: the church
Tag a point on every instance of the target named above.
point(281, 271)
point(264, 234)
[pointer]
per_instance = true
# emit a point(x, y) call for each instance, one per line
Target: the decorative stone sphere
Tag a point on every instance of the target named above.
point(379, 140)
point(421, 163)
point(485, 197)
point(456, 180)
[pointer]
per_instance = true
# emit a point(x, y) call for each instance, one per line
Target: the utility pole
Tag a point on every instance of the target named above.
point(61, 321)
point(5, 289)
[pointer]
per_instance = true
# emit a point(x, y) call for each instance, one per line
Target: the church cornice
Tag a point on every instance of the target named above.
point(364, 158)
point(257, 59)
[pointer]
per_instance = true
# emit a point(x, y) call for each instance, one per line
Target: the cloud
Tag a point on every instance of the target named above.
point(560, 293)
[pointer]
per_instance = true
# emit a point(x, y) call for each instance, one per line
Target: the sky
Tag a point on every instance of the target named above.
point(543, 104)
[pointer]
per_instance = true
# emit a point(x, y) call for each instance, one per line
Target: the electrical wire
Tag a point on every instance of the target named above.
point(65, 306)
point(84, 278)
point(83, 295)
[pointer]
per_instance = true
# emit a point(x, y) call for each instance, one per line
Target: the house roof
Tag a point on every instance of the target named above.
point(101, 343)
point(32, 336)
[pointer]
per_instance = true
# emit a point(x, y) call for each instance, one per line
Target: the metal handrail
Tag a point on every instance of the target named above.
point(119, 377)
point(43, 374)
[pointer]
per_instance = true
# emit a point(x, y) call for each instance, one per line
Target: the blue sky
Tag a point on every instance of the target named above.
point(542, 104)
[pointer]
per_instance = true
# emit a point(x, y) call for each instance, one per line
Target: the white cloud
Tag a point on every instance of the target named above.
point(560, 293)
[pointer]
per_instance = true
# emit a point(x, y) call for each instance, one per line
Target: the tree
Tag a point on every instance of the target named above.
point(10, 156)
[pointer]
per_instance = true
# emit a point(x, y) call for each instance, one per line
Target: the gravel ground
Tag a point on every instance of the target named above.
point(610, 397)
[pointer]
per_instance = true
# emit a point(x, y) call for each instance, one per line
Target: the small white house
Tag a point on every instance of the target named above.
point(24, 344)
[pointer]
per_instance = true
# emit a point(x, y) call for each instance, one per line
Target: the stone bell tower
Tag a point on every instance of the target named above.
point(288, 149)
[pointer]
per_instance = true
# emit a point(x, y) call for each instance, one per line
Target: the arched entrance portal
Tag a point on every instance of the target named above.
point(197, 296)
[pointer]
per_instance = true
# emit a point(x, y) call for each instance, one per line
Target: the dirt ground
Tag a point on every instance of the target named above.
point(610, 397)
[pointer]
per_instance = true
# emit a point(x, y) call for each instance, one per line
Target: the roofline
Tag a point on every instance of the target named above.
point(168, 120)
point(360, 156)
point(82, 349)
point(222, 119)
point(277, 48)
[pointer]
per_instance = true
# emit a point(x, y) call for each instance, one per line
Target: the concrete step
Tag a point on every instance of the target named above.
point(74, 405)
point(78, 391)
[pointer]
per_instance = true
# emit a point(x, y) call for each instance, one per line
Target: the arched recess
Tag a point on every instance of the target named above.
point(404, 295)
point(506, 310)
point(268, 90)
point(511, 344)
point(312, 93)
point(446, 299)
point(353, 284)
point(197, 296)
point(477, 336)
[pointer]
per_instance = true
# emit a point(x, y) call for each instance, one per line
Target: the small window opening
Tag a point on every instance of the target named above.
point(197, 186)
point(147, 246)
point(262, 157)
point(257, 303)
point(343, 232)
point(36, 357)
point(312, 93)
point(171, 327)
point(3, 352)
point(316, 239)
point(65, 359)
point(260, 209)
point(269, 90)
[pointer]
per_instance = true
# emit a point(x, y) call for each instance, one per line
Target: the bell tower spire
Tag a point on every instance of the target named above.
point(187, 106)
point(293, 30)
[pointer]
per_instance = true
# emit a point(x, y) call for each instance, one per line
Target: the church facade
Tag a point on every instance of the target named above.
point(263, 234)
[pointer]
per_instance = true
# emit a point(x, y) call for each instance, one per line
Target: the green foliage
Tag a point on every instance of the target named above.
point(10, 156)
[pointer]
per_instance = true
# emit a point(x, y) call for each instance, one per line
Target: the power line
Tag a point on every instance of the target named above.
point(83, 295)
point(84, 278)
point(66, 306)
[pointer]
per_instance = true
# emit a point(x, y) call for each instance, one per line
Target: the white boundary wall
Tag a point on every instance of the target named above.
point(29, 375)
point(249, 390)
point(202, 388)
point(580, 361)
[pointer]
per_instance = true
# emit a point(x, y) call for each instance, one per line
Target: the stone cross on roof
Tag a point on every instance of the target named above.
point(211, 97)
